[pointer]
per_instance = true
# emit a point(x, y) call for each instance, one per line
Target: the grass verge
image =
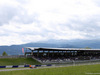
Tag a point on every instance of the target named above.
point(17, 61)
point(71, 70)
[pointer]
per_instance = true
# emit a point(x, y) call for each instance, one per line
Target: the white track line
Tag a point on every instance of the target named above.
point(14, 69)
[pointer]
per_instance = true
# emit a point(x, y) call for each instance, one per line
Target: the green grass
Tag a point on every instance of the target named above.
point(71, 70)
point(17, 61)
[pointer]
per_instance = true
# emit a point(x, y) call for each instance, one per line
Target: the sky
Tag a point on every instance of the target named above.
point(24, 21)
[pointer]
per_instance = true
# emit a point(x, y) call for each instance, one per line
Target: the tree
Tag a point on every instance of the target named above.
point(87, 48)
point(4, 54)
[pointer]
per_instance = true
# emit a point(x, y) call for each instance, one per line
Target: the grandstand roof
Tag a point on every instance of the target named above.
point(60, 49)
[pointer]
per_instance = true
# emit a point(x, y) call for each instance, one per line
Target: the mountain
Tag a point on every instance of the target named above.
point(17, 49)
point(85, 43)
point(78, 43)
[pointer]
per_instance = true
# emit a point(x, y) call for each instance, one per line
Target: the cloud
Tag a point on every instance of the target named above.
point(15, 13)
point(22, 1)
point(23, 21)
point(97, 2)
point(7, 13)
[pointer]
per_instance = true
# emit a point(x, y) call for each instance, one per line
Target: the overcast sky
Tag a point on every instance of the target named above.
point(24, 21)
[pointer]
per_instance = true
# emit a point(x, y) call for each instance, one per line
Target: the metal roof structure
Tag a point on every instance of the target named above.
point(60, 49)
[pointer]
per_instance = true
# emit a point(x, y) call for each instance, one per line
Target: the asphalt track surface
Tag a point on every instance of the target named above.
point(14, 69)
point(21, 69)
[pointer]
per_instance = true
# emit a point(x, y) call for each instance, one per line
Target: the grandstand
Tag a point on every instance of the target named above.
point(62, 55)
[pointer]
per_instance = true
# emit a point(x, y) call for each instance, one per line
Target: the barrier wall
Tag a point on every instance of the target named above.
point(16, 66)
point(13, 56)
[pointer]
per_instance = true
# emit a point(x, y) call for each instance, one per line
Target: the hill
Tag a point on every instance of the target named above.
point(17, 49)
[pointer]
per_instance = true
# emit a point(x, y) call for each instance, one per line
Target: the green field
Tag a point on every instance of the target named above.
point(17, 61)
point(71, 70)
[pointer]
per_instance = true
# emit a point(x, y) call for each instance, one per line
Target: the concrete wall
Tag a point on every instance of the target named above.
point(13, 56)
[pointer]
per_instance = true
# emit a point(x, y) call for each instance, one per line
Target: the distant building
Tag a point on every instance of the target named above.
point(62, 54)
